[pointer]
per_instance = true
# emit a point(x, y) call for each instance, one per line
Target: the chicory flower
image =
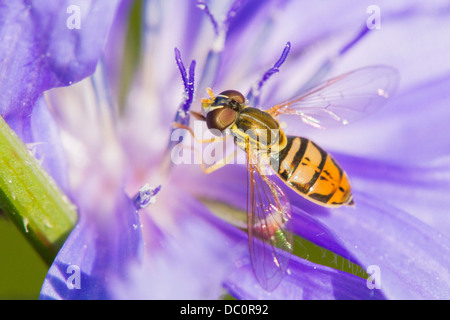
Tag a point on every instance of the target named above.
point(103, 157)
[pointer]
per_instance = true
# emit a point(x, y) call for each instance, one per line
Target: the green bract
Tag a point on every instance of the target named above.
point(30, 197)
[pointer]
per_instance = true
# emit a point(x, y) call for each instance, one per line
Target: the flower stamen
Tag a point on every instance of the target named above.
point(188, 82)
point(233, 10)
point(145, 196)
point(212, 63)
point(255, 91)
point(328, 63)
point(182, 117)
point(203, 6)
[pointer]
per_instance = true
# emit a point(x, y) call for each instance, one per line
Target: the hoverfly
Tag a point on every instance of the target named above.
point(301, 164)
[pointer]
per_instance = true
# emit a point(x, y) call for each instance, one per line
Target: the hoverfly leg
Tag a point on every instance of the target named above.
point(216, 165)
point(182, 126)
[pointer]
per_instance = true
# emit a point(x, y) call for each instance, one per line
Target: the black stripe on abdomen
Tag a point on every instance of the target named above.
point(324, 156)
point(284, 155)
point(307, 167)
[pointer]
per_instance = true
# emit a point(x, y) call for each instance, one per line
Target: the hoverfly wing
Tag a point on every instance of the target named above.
point(269, 225)
point(343, 99)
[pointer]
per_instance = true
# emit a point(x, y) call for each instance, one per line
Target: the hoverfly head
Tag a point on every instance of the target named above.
point(224, 110)
point(230, 98)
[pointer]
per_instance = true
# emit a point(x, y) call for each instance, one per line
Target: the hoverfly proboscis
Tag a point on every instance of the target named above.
point(301, 164)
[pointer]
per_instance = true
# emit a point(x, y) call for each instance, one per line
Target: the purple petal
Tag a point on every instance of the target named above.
point(113, 52)
point(412, 257)
point(419, 189)
point(99, 251)
point(32, 62)
point(271, 24)
point(414, 128)
point(308, 227)
point(228, 186)
point(409, 40)
point(187, 257)
point(56, 55)
point(405, 28)
point(304, 280)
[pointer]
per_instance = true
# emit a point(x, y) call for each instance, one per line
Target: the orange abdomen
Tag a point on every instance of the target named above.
point(313, 173)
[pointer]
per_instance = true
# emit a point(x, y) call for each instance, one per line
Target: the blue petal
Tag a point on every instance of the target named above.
point(412, 257)
point(99, 251)
point(224, 186)
point(228, 186)
point(39, 51)
point(410, 130)
point(420, 189)
point(188, 252)
point(304, 280)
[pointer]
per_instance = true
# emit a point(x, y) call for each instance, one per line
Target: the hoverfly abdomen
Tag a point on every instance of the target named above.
point(313, 173)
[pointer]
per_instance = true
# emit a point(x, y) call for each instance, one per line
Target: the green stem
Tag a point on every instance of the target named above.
point(31, 198)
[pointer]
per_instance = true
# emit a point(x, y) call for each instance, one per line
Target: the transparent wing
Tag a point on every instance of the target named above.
point(341, 100)
point(269, 226)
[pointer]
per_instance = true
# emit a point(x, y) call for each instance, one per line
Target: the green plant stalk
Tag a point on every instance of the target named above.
point(31, 198)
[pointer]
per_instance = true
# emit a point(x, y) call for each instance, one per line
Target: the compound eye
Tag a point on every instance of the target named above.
point(234, 95)
point(220, 118)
